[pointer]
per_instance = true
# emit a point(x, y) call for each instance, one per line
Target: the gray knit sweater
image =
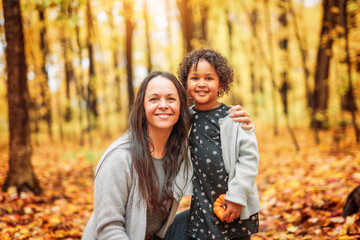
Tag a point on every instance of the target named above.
point(119, 209)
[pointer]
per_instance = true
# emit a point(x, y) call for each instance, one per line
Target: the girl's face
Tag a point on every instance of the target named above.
point(162, 105)
point(203, 85)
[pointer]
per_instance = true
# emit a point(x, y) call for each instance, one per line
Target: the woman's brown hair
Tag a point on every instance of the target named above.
point(176, 150)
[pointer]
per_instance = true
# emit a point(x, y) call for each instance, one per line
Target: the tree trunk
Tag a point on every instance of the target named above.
point(204, 8)
point(129, 32)
point(230, 31)
point(45, 91)
point(169, 52)
point(69, 77)
point(69, 72)
point(79, 83)
point(303, 52)
point(321, 89)
point(92, 96)
point(117, 83)
point(60, 116)
point(254, 20)
point(21, 173)
point(186, 23)
point(348, 100)
point(91, 101)
point(116, 61)
point(284, 55)
point(271, 66)
point(148, 41)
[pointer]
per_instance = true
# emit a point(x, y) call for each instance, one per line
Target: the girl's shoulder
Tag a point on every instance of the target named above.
point(228, 125)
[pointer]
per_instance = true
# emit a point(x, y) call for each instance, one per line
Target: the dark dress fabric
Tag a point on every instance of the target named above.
point(210, 180)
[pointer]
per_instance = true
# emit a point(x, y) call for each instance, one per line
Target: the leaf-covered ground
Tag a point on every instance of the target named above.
point(302, 194)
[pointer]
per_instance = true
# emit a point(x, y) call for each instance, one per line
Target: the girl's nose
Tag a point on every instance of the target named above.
point(201, 83)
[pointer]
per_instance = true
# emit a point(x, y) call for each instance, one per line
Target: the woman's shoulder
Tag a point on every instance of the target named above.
point(122, 143)
point(117, 154)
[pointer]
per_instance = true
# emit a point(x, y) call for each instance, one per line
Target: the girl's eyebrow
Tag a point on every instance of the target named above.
point(195, 73)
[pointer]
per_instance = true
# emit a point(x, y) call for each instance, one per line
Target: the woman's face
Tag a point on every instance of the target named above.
point(162, 105)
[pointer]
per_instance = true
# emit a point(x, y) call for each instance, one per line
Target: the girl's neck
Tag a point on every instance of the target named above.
point(205, 107)
point(159, 140)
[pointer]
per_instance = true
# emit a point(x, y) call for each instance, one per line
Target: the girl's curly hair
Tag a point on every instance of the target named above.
point(219, 62)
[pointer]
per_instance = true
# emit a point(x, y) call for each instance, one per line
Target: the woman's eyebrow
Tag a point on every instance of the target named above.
point(151, 94)
point(156, 94)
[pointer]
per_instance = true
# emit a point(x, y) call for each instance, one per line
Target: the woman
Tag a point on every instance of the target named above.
point(142, 176)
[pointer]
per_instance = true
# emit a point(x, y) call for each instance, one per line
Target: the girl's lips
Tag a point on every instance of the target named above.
point(201, 93)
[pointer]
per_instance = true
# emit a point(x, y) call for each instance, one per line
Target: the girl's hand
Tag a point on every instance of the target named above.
point(240, 115)
point(232, 212)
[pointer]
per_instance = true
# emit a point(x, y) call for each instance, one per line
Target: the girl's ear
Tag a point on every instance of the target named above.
point(220, 87)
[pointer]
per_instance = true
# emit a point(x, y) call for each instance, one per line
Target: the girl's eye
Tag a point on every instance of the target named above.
point(209, 78)
point(194, 78)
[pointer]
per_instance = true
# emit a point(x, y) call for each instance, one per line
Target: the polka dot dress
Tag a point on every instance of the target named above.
point(210, 180)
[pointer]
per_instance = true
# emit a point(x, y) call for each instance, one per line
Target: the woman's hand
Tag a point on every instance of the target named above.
point(240, 115)
point(232, 212)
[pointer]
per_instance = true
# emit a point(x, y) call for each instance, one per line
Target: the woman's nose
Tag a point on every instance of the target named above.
point(162, 103)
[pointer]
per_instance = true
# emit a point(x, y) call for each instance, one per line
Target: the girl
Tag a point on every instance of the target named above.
point(142, 176)
point(224, 155)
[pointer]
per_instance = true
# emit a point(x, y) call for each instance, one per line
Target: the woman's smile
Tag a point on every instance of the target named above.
point(163, 115)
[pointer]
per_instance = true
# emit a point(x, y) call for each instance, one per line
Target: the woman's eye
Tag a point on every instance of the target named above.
point(152, 99)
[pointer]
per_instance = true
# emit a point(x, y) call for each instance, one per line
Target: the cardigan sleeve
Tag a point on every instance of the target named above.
point(246, 168)
point(112, 187)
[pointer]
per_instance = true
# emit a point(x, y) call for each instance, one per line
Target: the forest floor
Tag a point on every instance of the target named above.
point(302, 194)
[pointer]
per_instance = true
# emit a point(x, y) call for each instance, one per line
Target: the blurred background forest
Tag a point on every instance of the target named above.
point(70, 70)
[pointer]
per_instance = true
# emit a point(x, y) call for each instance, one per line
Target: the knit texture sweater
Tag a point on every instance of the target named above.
point(119, 208)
